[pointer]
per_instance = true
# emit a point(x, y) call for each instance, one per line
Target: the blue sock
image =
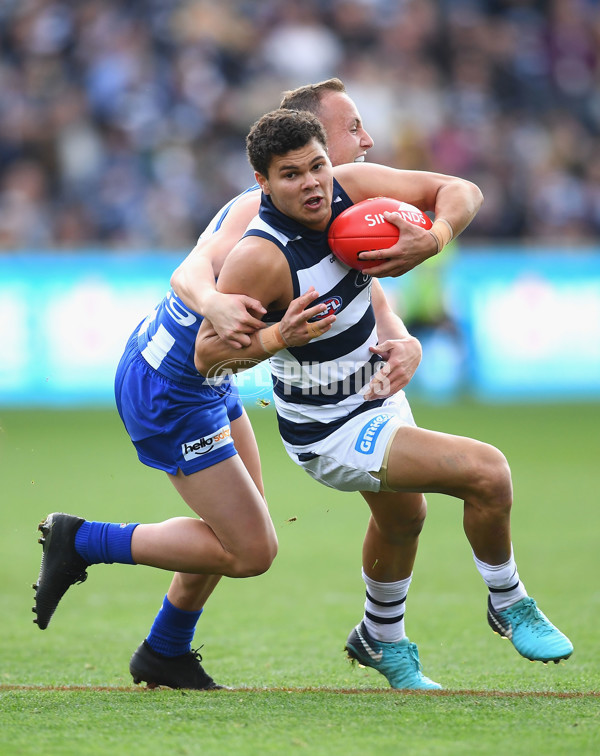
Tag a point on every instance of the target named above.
point(173, 630)
point(105, 542)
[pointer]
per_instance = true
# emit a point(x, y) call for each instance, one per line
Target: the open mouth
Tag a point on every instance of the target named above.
point(359, 159)
point(313, 202)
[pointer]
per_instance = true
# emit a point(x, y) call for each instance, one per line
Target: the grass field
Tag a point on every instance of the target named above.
point(278, 639)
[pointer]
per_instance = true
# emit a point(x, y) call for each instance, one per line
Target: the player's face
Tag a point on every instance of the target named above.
point(347, 139)
point(300, 184)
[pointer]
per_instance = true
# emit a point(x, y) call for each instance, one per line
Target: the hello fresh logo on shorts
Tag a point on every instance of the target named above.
point(369, 433)
point(201, 446)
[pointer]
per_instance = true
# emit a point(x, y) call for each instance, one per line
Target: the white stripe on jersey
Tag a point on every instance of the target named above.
point(158, 347)
point(259, 225)
point(313, 375)
point(306, 375)
point(321, 413)
point(322, 275)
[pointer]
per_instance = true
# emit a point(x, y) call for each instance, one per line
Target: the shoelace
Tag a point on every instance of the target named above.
point(412, 647)
point(412, 652)
point(529, 613)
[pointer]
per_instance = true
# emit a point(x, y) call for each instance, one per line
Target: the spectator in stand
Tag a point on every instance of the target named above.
point(121, 108)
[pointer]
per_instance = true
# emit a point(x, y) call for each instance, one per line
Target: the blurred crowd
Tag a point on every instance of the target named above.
point(122, 124)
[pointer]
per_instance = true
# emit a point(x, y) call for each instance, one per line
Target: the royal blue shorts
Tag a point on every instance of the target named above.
point(172, 425)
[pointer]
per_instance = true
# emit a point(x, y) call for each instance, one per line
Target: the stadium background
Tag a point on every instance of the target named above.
point(122, 131)
point(123, 124)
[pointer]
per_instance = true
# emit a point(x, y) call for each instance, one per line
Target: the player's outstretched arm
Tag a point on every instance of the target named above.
point(453, 201)
point(234, 317)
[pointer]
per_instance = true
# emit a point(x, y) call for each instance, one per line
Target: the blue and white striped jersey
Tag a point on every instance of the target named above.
point(317, 386)
point(167, 338)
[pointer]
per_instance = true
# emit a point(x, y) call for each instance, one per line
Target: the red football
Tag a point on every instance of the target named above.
point(362, 227)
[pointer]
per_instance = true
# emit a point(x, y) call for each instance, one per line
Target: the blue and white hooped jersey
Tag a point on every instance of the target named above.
point(317, 386)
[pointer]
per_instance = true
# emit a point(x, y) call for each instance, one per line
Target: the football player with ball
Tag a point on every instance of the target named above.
point(342, 414)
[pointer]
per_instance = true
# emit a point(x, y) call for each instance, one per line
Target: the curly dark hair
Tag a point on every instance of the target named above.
point(278, 132)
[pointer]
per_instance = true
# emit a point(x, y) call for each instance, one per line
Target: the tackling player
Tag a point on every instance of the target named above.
point(196, 434)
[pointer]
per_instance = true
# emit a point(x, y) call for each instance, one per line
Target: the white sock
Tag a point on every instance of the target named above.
point(384, 609)
point(503, 582)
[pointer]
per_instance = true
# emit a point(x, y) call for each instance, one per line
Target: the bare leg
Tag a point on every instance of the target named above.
point(188, 591)
point(424, 461)
point(427, 461)
point(242, 547)
point(389, 552)
point(391, 541)
point(235, 536)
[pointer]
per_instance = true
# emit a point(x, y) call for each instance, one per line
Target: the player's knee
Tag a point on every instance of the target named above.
point(419, 520)
point(421, 513)
point(493, 478)
point(257, 559)
point(407, 521)
point(414, 519)
point(263, 560)
point(253, 567)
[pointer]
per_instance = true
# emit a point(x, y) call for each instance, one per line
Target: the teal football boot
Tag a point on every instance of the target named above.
point(531, 632)
point(398, 662)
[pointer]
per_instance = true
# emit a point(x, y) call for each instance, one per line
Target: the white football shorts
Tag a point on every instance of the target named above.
point(352, 457)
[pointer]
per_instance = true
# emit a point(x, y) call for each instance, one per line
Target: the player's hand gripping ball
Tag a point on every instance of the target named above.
point(362, 227)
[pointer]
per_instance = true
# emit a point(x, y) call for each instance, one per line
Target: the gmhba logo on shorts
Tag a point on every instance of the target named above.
point(369, 432)
point(209, 443)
